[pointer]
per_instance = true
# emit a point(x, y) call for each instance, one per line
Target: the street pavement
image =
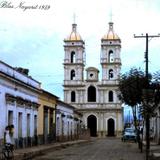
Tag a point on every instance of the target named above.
point(96, 149)
point(31, 152)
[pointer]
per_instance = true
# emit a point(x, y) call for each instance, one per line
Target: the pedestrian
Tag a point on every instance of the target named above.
point(7, 138)
point(141, 140)
point(12, 136)
point(138, 137)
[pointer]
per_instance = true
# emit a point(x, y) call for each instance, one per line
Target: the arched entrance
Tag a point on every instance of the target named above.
point(111, 127)
point(92, 125)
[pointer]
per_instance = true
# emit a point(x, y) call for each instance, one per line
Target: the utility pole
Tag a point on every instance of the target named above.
point(146, 73)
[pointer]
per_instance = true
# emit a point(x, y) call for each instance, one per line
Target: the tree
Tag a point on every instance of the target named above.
point(151, 95)
point(156, 87)
point(131, 88)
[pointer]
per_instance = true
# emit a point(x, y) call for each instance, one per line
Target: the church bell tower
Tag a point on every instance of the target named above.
point(110, 56)
point(74, 63)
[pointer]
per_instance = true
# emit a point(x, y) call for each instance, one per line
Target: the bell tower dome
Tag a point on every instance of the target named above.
point(74, 35)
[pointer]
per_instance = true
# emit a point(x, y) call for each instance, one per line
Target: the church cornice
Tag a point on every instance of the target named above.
point(94, 105)
point(74, 64)
point(107, 44)
point(74, 45)
point(111, 64)
point(75, 41)
point(74, 85)
point(98, 84)
point(100, 110)
point(92, 80)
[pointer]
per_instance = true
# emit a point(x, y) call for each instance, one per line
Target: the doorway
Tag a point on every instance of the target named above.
point(92, 125)
point(111, 126)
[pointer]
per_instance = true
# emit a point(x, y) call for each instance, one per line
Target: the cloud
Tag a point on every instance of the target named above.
point(34, 38)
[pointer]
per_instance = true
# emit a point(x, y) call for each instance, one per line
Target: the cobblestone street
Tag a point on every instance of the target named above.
point(97, 149)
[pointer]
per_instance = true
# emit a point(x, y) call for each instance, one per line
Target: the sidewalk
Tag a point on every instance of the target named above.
point(29, 153)
point(154, 150)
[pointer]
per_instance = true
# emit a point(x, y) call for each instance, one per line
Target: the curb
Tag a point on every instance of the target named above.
point(40, 151)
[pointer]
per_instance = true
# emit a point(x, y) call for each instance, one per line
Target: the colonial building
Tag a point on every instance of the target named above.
point(68, 122)
point(94, 96)
point(47, 117)
point(18, 104)
point(154, 125)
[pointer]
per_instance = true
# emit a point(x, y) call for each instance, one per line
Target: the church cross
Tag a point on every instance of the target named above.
point(111, 15)
point(74, 18)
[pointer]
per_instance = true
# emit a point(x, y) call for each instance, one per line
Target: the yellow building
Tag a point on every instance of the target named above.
point(46, 117)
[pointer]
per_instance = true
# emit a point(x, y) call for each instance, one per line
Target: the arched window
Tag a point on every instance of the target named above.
point(91, 94)
point(73, 57)
point(73, 96)
point(73, 75)
point(110, 73)
point(111, 57)
point(110, 96)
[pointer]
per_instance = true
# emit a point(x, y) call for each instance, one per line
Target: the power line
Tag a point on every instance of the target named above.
point(47, 75)
point(53, 84)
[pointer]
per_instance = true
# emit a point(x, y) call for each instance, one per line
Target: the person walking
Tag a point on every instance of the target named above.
point(11, 133)
point(7, 138)
point(8, 147)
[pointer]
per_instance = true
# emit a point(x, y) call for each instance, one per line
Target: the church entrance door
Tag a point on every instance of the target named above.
point(111, 127)
point(92, 125)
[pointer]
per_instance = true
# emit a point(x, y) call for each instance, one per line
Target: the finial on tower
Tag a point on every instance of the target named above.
point(111, 35)
point(111, 22)
point(74, 35)
point(74, 25)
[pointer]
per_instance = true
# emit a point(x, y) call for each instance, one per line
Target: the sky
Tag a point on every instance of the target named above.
point(33, 38)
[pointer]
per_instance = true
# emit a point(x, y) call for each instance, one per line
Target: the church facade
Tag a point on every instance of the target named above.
point(94, 96)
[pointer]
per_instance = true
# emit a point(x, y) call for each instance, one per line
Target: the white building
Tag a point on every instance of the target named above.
point(18, 104)
point(96, 99)
point(68, 122)
point(155, 125)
